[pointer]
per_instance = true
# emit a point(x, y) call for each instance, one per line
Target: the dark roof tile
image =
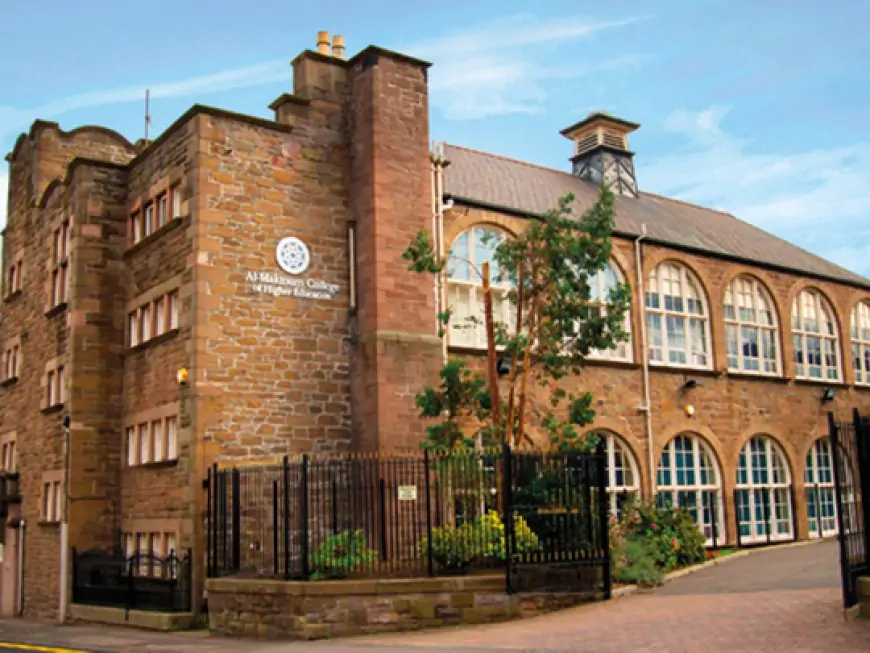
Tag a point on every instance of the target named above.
point(528, 188)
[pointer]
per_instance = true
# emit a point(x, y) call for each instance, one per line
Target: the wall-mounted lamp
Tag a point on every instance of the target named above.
point(689, 384)
point(181, 376)
point(828, 395)
point(690, 410)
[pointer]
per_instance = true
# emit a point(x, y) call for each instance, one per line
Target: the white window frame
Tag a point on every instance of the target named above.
point(748, 299)
point(763, 475)
point(659, 349)
point(462, 332)
point(162, 210)
point(599, 292)
point(860, 329)
point(620, 458)
point(819, 482)
point(175, 191)
point(811, 305)
point(699, 449)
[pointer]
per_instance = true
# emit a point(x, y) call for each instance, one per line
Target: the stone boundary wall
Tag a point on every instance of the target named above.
point(270, 609)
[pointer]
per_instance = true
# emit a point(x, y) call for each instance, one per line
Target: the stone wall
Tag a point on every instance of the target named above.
point(274, 609)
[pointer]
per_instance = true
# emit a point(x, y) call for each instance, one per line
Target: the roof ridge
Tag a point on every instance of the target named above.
point(509, 159)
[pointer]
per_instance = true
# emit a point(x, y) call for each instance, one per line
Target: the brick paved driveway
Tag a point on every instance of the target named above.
point(786, 599)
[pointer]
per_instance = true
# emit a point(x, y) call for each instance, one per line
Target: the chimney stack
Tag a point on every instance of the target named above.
point(601, 151)
point(338, 46)
point(323, 43)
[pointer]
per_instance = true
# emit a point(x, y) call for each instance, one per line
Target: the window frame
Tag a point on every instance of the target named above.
point(801, 335)
point(821, 492)
point(859, 332)
point(141, 437)
point(772, 489)
point(473, 290)
point(760, 296)
point(687, 279)
point(603, 291)
point(60, 251)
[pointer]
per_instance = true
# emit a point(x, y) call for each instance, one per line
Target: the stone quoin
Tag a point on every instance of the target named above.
point(264, 256)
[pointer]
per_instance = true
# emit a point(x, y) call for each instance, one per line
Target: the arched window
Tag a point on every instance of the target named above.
point(750, 327)
point(623, 479)
point(819, 478)
point(677, 318)
point(688, 477)
point(861, 343)
point(763, 498)
point(600, 287)
point(815, 340)
point(465, 287)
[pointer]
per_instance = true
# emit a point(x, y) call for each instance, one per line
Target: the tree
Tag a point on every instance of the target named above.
point(549, 267)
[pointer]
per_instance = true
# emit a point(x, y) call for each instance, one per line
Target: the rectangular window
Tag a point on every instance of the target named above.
point(52, 501)
point(159, 444)
point(174, 310)
point(159, 316)
point(144, 445)
point(162, 210)
point(9, 458)
point(60, 391)
point(51, 399)
point(133, 328)
point(132, 448)
point(59, 274)
point(176, 201)
point(135, 227)
point(171, 438)
point(149, 219)
point(145, 322)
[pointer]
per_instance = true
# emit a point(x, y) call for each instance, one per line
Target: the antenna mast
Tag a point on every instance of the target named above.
point(147, 111)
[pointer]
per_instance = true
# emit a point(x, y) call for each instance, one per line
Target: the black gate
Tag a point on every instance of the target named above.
point(850, 444)
point(562, 498)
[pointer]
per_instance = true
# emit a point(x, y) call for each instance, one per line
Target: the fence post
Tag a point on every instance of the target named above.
point(428, 514)
point(275, 527)
point(818, 494)
point(603, 510)
point(714, 520)
point(793, 509)
point(237, 518)
point(213, 489)
point(508, 509)
point(75, 574)
point(286, 473)
point(737, 517)
point(131, 589)
point(837, 457)
point(766, 499)
point(305, 528)
point(862, 451)
point(209, 518)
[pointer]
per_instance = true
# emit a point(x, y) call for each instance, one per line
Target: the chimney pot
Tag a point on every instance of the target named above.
point(323, 42)
point(338, 46)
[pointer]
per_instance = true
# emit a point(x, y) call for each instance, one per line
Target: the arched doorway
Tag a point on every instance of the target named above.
point(819, 479)
point(763, 498)
point(689, 477)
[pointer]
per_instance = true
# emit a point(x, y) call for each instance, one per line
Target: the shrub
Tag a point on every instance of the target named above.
point(637, 565)
point(340, 554)
point(668, 537)
point(456, 548)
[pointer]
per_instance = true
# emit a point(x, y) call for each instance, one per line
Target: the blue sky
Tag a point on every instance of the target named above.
point(758, 108)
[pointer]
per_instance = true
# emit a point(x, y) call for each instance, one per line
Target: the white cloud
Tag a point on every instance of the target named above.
point(499, 68)
point(14, 119)
point(816, 198)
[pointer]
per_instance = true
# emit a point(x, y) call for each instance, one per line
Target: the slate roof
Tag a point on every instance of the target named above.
point(488, 179)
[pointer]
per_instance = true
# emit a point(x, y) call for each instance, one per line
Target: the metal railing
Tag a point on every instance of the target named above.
point(141, 581)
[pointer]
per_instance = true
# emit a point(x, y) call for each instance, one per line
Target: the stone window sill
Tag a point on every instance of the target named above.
point(153, 342)
point(5, 383)
point(749, 376)
point(56, 408)
point(821, 382)
point(56, 310)
point(154, 235)
point(685, 371)
point(160, 464)
point(15, 294)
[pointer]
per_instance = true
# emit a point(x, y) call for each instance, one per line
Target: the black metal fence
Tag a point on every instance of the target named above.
point(141, 581)
point(539, 517)
point(850, 445)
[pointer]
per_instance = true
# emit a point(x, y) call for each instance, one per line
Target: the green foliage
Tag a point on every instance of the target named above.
point(456, 548)
point(340, 554)
point(636, 564)
point(668, 537)
point(549, 266)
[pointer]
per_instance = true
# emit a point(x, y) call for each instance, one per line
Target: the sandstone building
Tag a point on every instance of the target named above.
point(234, 291)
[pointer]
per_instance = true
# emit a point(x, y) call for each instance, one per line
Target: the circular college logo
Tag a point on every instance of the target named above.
point(292, 255)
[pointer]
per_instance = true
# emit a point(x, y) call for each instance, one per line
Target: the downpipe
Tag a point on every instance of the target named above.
point(646, 408)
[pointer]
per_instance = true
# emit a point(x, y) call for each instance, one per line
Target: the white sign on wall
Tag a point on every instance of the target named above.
point(294, 258)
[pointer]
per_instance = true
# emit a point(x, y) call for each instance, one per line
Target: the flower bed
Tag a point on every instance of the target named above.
point(647, 542)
